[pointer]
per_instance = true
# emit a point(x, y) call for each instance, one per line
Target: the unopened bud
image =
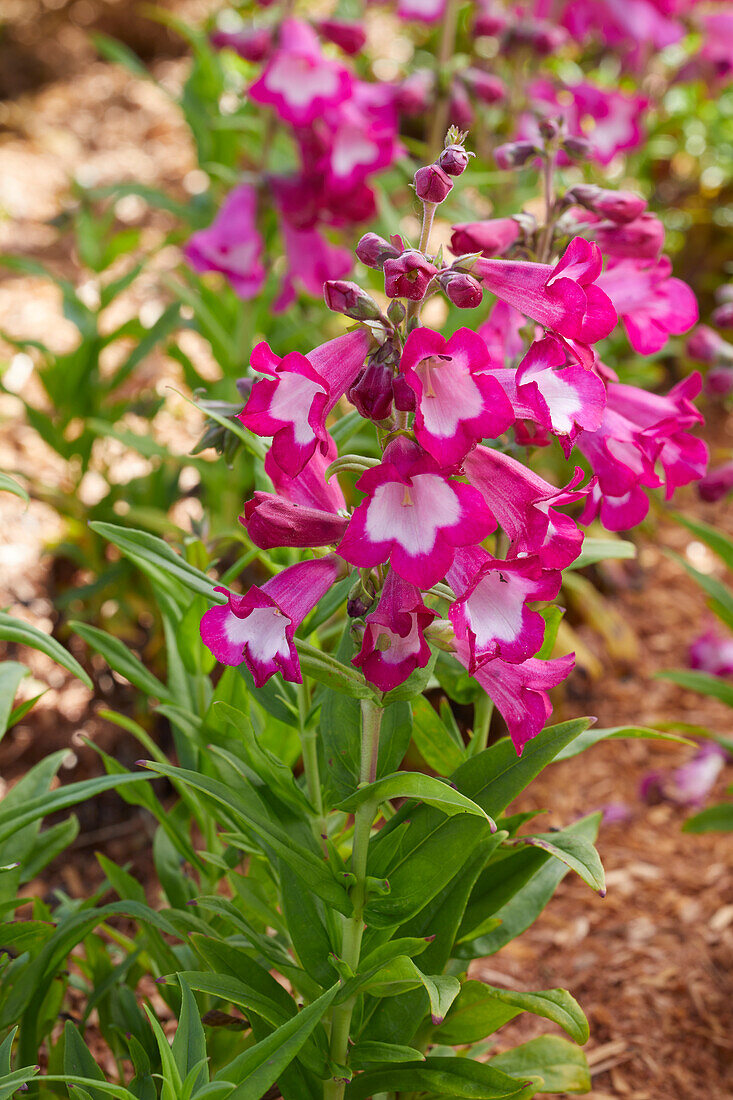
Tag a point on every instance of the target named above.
point(440, 633)
point(371, 393)
point(360, 598)
point(244, 387)
point(396, 312)
point(462, 290)
point(432, 184)
point(708, 346)
point(577, 148)
point(408, 275)
point(618, 206)
point(484, 86)
point(351, 300)
point(454, 160)
point(373, 250)
point(723, 315)
point(405, 398)
point(250, 45)
point(349, 37)
point(515, 154)
point(549, 128)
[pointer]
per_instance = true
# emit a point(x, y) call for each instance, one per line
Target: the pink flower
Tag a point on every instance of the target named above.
point(362, 138)
point(708, 346)
point(502, 334)
point(526, 507)
point(491, 612)
point(609, 119)
point(309, 487)
point(293, 403)
point(253, 44)
point(298, 81)
point(520, 691)
point(312, 261)
point(426, 11)
point(408, 275)
point(348, 36)
point(258, 628)
point(457, 405)
point(493, 237)
point(712, 652)
point(632, 26)
point(689, 785)
point(394, 643)
point(271, 521)
point(485, 87)
point(564, 402)
point(564, 298)
point(232, 244)
point(414, 516)
point(640, 239)
point(617, 206)
point(717, 483)
point(649, 301)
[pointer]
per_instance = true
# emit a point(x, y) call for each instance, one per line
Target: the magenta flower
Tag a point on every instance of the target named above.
point(348, 36)
point(565, 298)
point(520, 691)
point(502, 334)
point(651, 303)
point(457, 405)
point(426, 11)
point(631, 26)
point(413, 516)
point(270, 521)
point(312, 261)
point(362, 138)
point(309, 487)
point(607, 118)
point(293, 403)
point(408, 275)
point(491, 612)
point(716, 484)
point(253, 44)
point(492, 237)
point(640, 239)
point(525, 506)
point(394, 642)
point(258, 628)
point(617, 206)
point(232, 244)
point(298, 81)
point(712, 652)
point(689, 785)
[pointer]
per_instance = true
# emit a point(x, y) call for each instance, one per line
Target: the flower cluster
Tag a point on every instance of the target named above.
point(343, 131)
point(455, 542)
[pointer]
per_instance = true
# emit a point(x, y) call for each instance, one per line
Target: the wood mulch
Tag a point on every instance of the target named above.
point(652, 963)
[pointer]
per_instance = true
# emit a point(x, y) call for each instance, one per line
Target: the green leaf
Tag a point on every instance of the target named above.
point(11, 675)
point(592, 736)
point(78, 1061)
point(480, 1009)
point(424, 788)
point(713, 819)
point(560, 1064)
point(575, 852)
point(719, 543)
point(327, 670)
point(8, 484)
point(433, 740)
point(158, 557)
point(122, 660)
point(113, 50)
point(368, 1053)
point(721, 598)
point(595, 550)
point(10, 1083)
point(189, 1042)
point(701, 682)
point(457, 1078)
point(258, 1068)
point(13, 630)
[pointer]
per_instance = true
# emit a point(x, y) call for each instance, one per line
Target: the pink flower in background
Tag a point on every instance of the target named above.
point(426, 11)
point(413, 516)
point(502, 334)
point(348, 36)
point(298, 81)
point(309, 487)
point(457, 405)
point(650, 302)
point(491, 612)
point(607, 118)
point(525, 506)
point(634, 27)
point(520, 691)
point(258, 629)
point(362, 137)
point(492, 237)
point(566, 298)
point(232, 244)
point(292, 404)
point(394, 643)
point(252, 44)
point(640, 239)
point(717, 483)
point(312, 261)
point(712, 652)
point(689, 785)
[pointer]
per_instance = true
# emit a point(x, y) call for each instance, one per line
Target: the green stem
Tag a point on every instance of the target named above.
point(548, 178)
point(371, 720)
point(483, 708)
point(310, 766)
point(446, 50)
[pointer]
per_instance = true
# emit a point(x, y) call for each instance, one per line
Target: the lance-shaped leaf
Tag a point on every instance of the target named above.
point(458, 1078)
point(122, 660)
point(702, 682)
point(11, 674)
point(562, 1067)
point(718, 819)
point(574, 851)
point(617, 733)
point(156, 557)
point(13, 630)
point(480, 1009)
point(369, 1053)
point(424, 788)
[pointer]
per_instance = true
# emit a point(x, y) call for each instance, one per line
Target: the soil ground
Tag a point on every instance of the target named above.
point(652, 963)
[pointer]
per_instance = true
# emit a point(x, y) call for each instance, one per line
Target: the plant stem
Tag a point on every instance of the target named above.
point(371, 720)
point(483, 708)
point(548, 177)
point(426, 228)
point(310, 766)
point(446, 50)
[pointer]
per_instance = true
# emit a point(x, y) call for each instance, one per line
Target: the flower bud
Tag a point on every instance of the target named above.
point(515, 154)
point(349, 37)
point(373, 250)
point(460, 108)
point(549, 128)
point(351, 300)
point(461, 289)
point(454, 160)
point(396, 312)
point(415, 94)
point(485, 86)
point(707, 346)
point(617, 206)
point(360, 598)
point(716, 484)
point(408, 275)
point(432, 184)
point(723, 315)
point(577, 148)
point(441, 634)
point(489, 20)
point(405, 398)
point(250, 45)
point(492, 237)
point(244, 387)
point(719, 381)
point(371, 393)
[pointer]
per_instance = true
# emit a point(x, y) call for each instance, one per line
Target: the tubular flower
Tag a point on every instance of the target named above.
point(312, 260)
point(565, 298)
point(526, 507)
point(414, 516)
point(232, 244)
point(492, 237)
point(394, 644)
point(258, 629)
point(292, 404)
point(491, 612)
point(651, 303)
point(456, 404)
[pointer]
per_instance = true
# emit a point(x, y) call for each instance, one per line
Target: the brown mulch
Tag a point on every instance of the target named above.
point(652, 962)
